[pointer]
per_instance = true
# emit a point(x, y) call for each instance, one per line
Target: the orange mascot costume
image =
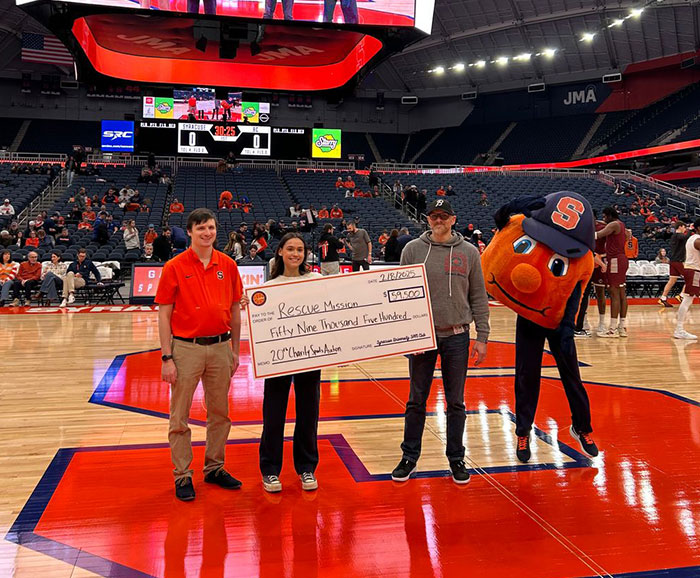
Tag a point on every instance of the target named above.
point(538, 264)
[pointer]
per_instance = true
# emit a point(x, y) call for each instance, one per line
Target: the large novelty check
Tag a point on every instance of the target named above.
point(321, 322)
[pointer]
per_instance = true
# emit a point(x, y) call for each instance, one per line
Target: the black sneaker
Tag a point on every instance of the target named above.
point(184, 490)
point(460, 475)
point(222, 478)
point(523, 449)
point(403, 471)
point(585, 441)
point(665, 303)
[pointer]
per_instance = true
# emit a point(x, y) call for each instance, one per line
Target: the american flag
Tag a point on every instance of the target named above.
point(46, 49)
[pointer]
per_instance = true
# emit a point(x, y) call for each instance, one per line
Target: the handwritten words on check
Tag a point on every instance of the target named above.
point(322, 322)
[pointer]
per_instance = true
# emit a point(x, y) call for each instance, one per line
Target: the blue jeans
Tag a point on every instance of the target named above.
point(454, 356)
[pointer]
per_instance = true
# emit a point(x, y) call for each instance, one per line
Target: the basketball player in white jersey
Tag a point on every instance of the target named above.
point(691, 274)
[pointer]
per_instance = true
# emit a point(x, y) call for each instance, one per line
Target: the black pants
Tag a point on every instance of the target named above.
point(584, 307)
point(28, 287)
point(357, 265)
point(209, 6)
point(529, 347)
point(307, 391)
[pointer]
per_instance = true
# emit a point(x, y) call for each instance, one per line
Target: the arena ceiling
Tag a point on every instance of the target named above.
point(472, 39)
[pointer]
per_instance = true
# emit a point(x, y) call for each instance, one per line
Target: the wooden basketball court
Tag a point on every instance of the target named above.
point(88, 487)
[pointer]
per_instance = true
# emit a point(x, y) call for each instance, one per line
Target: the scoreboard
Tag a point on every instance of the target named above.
point(217, 140)
point(209, 139)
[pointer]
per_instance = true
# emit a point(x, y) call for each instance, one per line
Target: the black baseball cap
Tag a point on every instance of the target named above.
point(565, 224)
point(440, 205)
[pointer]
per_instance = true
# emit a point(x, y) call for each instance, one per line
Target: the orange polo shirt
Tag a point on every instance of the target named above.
point(202, 298)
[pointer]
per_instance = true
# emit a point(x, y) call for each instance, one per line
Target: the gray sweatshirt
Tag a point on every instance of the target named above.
point(455, 279)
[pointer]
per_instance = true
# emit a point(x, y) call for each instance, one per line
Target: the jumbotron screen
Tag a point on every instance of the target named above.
point(409, 13)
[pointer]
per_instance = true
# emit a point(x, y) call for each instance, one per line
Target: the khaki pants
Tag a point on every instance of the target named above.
point(331, 268)
point(213, 364)
point(71, 283)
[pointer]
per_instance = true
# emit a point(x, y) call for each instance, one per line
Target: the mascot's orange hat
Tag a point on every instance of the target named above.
point(540, 254)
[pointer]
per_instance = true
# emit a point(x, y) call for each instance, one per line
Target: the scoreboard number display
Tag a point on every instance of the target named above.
point(209, 139)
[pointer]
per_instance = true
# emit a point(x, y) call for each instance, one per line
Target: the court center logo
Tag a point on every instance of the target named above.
point(259, 298)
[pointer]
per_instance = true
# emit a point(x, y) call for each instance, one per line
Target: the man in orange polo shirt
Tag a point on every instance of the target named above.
point(199, 325)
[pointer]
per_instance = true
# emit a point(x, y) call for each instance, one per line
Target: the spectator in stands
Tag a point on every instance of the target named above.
point(235, 248)
point(651, 218)
point(46, 242)
point(422, 201)
point(27, 279)
point(339, 184)
point(397, 187)
point(89, 214)
point(6, 209)
point(329, 245)
point(148, 256)
point(76, 215)
point(349, 184)
point(410, 197)
point(441, 191)
point(32, 240)
point(125, 195)
point(392, 251)
point(111, 197)
point(5, 239)
point(150, 235)
point(243, 230)
point(77, 276)
point(383, 238)
point(323, 213)
point(131, 235)
point(177, 207)
point(360, 244)
point(162, 246)
point(226, 200)
point(15, 233)
point(478, 241)
point(631, 245)
point(8, 272)
point(85, 225)
point(252, 257)
point(662, 257)
point(450, 192)
point(404, 238)
point(295, 211)
point(336, 212)
point(64, 238)
point(468, 232)
point(51, 224)
point(52, 276)
point(484, 199)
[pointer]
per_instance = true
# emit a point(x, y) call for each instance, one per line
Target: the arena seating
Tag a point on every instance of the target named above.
point(8, 131)
point(117, 177)
point(460, 145)
point(543, 140)
point(21, 189)
point(64, 134)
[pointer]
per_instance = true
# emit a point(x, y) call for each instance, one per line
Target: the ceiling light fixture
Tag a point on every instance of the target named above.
point(480, 63)
point(525, 56)
point(438, 70)
point(636, 13)
point(459, 67)
point(588, 37)
point(502, 60)
point(549, 52)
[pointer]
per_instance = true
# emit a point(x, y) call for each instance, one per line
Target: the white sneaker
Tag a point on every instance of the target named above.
point(63, 303)
point(609, 333)
point(622, 331)
point(71, 298)
point(308, 481)
point(683, 334)
point(272, 484)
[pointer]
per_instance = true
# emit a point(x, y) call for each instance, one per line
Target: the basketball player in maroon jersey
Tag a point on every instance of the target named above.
point(599, 278)
point(614, 235)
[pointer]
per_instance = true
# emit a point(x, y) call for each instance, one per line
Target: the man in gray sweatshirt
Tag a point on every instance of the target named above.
point(458, 297)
